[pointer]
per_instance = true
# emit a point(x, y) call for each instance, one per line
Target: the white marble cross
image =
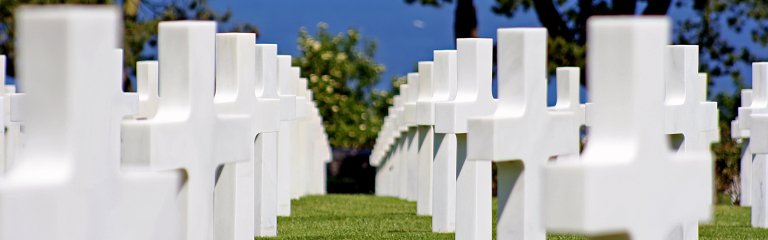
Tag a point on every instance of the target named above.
point(687, 112)
point(568, 83)
point(68, 182)
point(187, 133)
point(742, 135)
point(3, 162)
point(425, 132)
point(287, 94)
point(444, 158)
point(522, 134)
point(473, 98)
point(146, 78)
point(612, 191)
point(411, 137)
point(238, 213)
point(402, 144)
point(298, 166)
point(319, 153)
point(267, 110)
point(754, 118)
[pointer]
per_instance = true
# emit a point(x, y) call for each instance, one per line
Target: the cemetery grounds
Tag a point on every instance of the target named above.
point(369, 217)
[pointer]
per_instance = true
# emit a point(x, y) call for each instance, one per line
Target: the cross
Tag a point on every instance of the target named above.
point(3, 162)
point(425, 116)
point(322, 149)
point(298, 166)
point(68, 182)
point(401, 177)
point(685, 100)
point(267, 110)
point(411, 137)
point(146, 77)
point(685, 111)
point(742, 135)
point(710, 124)
point(568, 83)
point(473, 98)
point(187, 132)
point(239, 214)
point(444, 157)
point(522, 134)
point(12, 129)
point(610, 190)
point(753, 119)
point(382, 159)
point(286, 92)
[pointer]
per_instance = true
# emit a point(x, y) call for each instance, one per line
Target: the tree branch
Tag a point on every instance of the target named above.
point(657, 7)
point(552, 20)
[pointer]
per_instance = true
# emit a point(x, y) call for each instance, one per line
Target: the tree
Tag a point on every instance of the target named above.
point(140, 18)
point(342, 73)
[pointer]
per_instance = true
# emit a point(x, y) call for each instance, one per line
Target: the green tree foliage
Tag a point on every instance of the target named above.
point(140, 18)
point(342, 73)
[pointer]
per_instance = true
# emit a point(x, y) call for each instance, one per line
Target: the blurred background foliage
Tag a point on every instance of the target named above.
point(140, 33)
point(342, 73)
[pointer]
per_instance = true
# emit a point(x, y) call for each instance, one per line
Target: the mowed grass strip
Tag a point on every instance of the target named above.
point(370, 217)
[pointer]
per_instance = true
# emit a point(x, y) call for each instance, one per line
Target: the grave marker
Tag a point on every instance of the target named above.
point(425, 120)
point(146, 77)
point(473, 98)
point(68, 181)
point(287, 94)
point(742, 135)
point(444, 166)
point(626, 69)
point(187, 133)
point(522, 134)
point(411, 137)
point(754, 118)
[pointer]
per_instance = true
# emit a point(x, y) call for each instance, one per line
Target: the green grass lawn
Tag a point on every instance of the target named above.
point(368, 217)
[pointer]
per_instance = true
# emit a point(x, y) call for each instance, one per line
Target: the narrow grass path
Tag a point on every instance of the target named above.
point(368, 217)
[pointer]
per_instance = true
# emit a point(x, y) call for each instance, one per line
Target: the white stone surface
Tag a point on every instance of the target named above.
point(522, 134)
point(568, 97)
point(626, 69)
point(267, 114)
point(444, 159)
point(239, 214)
point(401, 145)
point(425, 112)
point(473, 98)
point(69, 182)
point(3, 119)
point(742, 135)
point(287, 94)
point(754, 119)
point(687, 112)
point(298, 173)
point(411, 138)
point(146, 79)
point(187, 133)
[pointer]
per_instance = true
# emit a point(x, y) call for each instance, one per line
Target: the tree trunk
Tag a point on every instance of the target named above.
point(465, 20)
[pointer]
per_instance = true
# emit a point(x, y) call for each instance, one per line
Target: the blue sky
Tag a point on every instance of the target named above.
point(405, 33)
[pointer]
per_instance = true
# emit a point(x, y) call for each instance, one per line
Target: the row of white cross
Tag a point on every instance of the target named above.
point(631, 181)
point(222, 134)
point(750, 127)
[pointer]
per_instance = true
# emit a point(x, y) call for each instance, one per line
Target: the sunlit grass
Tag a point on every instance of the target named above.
point(369, 217)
